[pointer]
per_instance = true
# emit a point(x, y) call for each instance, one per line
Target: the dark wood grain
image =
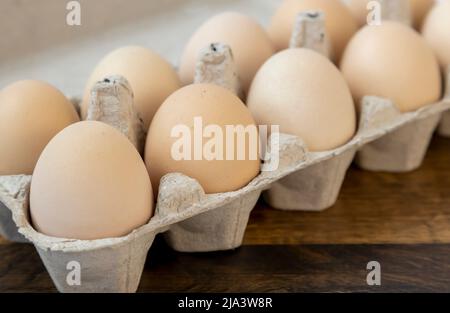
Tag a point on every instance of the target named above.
point(372, 208)
point(399, 220)
point(299, 268)
point(271, 268)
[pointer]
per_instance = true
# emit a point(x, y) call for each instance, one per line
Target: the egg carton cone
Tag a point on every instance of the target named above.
point(444, 126)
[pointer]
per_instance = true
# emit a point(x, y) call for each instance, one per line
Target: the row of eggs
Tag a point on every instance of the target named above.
point(89, 181)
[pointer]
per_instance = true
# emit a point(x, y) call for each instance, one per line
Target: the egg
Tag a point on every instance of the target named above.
point(419, 9)
point(359, 10)
point(151, 77)
point(31, 113)
point(306, 95)
point(436, 31)
point(90, 183)
point(249, 42)
point(392, 61)
point(191, 110)
point(340, 24)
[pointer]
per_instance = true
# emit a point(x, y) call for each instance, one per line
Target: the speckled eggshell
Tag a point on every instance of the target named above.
point(340, 24)
point(306, 95)
point(249, 42)
point(90, 183)
point(436, 31)
point(392, 61)
point(151, 77)
point(216, 106)
point(31, 113)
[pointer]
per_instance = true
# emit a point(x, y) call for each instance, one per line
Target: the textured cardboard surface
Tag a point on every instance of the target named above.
point(402, 150)
point(315, 188)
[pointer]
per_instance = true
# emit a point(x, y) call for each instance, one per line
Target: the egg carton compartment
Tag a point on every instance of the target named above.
point(402, 150)
point(402, 140)
point(315, 188)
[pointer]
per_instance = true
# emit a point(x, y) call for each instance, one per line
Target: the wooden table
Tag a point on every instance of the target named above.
point(401, 221)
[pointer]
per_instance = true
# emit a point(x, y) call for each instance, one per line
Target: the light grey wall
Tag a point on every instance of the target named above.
point(31, 25)
point(36, 43)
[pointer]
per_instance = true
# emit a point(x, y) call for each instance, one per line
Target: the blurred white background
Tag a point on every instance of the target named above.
point(37, 43)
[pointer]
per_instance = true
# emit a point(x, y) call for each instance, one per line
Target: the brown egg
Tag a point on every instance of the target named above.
point(151, 77)
point(419, 9)
point(90, 183)
point(306, 95)
point(31, 113)
point(340, 24)
point(216, 107)
point(249, 42)
point(392, 61)
point(436, 31)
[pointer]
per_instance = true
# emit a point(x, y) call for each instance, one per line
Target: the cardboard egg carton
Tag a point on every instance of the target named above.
point(193, 221)
point(402, 148)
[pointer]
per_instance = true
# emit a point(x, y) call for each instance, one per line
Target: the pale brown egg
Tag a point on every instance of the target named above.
point(436, 31)
point(419, 9)
point(392, 61)
point(177, 120)
point(306, 95)
point(340, 24)
point(31, 113)
point(90, 183)
point(249, 43)
point(151, 77)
